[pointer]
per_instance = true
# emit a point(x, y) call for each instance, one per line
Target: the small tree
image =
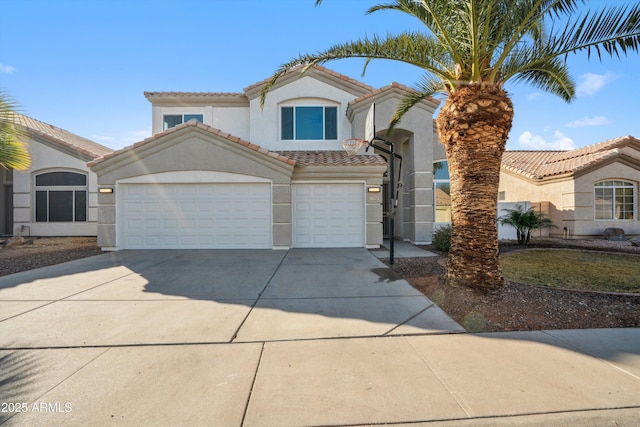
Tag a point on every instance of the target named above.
point(525, 222)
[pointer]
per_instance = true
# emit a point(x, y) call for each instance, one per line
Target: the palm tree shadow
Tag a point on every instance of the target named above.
point(18, 374)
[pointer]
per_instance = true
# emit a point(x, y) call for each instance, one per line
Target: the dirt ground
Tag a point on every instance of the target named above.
point(515, 307)
point(521, 307)
point(25, 254)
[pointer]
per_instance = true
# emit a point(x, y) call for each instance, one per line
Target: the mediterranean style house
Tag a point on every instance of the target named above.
point(222, 172)
point(583, 191)
point(57, 196)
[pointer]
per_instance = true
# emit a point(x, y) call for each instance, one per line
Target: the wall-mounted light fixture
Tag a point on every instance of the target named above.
point(105, 190)
point(373, 189)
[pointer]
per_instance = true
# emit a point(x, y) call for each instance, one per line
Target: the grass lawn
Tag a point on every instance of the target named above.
point(571, 269)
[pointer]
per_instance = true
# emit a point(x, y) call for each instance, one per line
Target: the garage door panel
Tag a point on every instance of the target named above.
point(195, 216)
point(328, 215)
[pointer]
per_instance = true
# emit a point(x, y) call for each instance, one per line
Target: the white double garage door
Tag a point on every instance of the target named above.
point(237, 215)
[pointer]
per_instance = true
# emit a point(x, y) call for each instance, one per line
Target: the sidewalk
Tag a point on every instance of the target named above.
point(551, 378)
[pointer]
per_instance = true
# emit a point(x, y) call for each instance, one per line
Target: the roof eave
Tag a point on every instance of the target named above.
point(167, 99)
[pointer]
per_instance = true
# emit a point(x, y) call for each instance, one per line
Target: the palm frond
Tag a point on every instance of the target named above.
point(438, 18)
point(614, 31)
point(532, 65)
point(13, 151)
point(14, 155)
point(411, 48)
point(492, 41)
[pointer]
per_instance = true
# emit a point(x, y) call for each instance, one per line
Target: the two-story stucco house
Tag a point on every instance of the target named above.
point(220, 172)
point(57, 195)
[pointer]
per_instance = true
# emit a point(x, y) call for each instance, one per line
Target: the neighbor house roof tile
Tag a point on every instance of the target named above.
point(539, 165)
point(62, 137)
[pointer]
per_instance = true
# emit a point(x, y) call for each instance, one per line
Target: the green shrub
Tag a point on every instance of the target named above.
point(442, 238)
point(525, 222)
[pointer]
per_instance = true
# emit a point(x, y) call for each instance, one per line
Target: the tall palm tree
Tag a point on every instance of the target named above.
point(469, 49)
point(13, 152)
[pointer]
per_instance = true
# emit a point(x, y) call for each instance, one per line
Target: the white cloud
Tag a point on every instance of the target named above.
point(589, 83)
point(560, 141)
point(6, 69)
point(533, 96)
point(588, 121)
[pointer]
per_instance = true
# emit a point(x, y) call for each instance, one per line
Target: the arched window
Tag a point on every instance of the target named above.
point(442, 191)
point(61, 197)
point(614, 200)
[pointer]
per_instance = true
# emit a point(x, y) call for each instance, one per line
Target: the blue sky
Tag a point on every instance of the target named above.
point(83, 65)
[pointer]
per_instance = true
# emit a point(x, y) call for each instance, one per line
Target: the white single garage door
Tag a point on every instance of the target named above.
point(328, 215)
point(195, 216)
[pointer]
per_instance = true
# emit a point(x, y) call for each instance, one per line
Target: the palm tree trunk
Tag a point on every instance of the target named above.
point(473, 125)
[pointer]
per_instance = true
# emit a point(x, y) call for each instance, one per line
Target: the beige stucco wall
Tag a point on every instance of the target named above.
point(571, 199)
point(584, 220)
point(233, 120)
point(307, 90)
point(47, 157)
point(414, 141)
point(193, 149)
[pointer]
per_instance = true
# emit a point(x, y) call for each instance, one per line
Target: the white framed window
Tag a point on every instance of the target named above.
point(441, 191)
point(614, 200)
point(314, 122)
point(172, 120)
point(61, 197)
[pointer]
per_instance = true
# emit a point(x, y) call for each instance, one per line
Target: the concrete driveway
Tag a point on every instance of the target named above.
point(178, 297)
point(295, 338)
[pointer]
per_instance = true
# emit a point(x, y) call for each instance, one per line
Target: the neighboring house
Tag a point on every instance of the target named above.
point(584, 191)
point(57, 196)
point(220, 172)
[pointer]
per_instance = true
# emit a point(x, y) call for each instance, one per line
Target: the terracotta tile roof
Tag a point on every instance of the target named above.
point(539, 165)
point(393, 85)
point(318, 68)
point(193, 123)
point(61, 137)
point(191, 94)
point(332, 158)
point(225, 99)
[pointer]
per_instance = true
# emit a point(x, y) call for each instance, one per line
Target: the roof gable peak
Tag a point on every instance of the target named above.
point(357, 88)
point(193, 124)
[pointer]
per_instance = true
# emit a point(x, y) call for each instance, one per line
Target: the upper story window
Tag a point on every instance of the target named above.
point(173, 120)
point(614, 200)
point(309, 123)
point(61, 197)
